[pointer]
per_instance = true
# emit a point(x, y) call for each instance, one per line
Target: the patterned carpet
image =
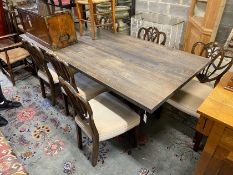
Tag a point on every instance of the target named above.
point(44, 139)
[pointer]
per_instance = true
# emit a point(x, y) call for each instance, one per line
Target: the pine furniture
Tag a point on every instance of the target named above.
point(144, 73)
point(203, 24)
point(93, 15)
point(216, 122)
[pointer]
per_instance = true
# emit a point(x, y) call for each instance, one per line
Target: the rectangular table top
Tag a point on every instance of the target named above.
point(219, 104)
point(144, 73)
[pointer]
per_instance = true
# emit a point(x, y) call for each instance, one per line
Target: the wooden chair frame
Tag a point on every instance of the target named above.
point(62, 69)
point(41, 64)
point(84, 116)
point(152, 34)
point(14, 42)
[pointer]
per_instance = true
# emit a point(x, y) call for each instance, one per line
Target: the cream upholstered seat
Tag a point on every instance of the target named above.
point(44, 76)
point(14, 55)
point(111, 116)
point(190, 97)
point(87, 87)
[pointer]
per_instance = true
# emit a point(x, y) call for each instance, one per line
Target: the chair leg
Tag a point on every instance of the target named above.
point(113, 6)
point(79, 137)
point(95, 152)
point(52, 88)
point(79, 9)
point(95, 16)
point(66, 104)
point(42, 88)
point(92, 19)
point(135, 136)
point(197, 140)
point(11, 73)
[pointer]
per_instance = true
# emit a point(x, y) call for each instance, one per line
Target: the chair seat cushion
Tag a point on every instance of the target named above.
point(87, 87)
point(15, 55)
point(94, 1)
point(190, 97)
point(111, 116)
point(44, 76)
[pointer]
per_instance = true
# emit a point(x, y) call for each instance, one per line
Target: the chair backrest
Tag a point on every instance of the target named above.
point(38, 58)
point(218, 65)
point(152, 34)
point(84, 117)
point(62, 69)
point(10, 21)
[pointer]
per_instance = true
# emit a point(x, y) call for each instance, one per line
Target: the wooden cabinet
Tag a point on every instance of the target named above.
point(203, 22)
point(216, 122)
point(48, 25)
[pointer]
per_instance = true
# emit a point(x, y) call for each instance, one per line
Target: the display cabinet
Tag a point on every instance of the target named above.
point(203, 21)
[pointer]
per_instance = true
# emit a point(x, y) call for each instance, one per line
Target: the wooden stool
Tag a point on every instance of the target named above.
point(80, 4)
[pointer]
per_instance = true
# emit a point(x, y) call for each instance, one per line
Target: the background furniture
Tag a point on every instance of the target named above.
point(192, 95)
point(93, 15)
point(152, 34)
point(142, 72)
point(203, 22)
point(12, 55)
point(48, 25)
point(102, 118)
point(216, 121)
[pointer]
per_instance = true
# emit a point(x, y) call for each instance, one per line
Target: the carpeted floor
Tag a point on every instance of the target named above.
point(44, 139)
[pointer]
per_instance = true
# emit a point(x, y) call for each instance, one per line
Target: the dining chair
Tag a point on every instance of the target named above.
point(152, 34)
point(100, 118)
point(191, 96)
point(93, 15)
point(12, 54)
point(87, 87)
point(45, 70)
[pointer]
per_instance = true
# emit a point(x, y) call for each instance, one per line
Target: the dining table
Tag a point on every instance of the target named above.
point(142, 72)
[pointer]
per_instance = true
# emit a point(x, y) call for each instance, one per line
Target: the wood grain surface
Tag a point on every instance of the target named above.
point(144, 73)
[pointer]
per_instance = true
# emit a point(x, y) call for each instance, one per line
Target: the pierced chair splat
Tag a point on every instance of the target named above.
point(152, 34)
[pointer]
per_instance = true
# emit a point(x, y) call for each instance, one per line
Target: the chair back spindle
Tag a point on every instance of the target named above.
point(62, 69)
point(152, 34)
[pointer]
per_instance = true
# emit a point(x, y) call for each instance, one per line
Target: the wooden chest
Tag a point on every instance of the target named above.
point(48, 25)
